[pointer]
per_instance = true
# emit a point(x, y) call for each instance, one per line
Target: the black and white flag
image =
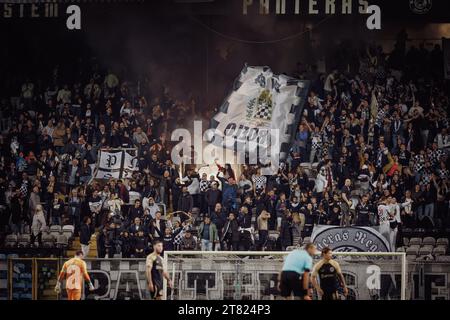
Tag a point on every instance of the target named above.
point(116, 164)
point(260, 104)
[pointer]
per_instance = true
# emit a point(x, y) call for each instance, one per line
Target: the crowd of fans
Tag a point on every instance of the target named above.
point(371, 150)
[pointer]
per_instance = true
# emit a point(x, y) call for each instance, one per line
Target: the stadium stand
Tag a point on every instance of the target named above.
point(383, 128)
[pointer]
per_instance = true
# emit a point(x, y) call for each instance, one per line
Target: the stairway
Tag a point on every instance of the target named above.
point(77, 246)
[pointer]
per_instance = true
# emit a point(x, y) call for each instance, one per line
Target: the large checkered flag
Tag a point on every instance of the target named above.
point(259, 104)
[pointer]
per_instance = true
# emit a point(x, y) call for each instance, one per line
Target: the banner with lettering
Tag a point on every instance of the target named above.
point(116, 163)
point(262, 106)
point(350, 239)
point(110, 160)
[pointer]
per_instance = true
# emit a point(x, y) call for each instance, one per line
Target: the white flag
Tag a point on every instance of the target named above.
point(102, 174)
point(260, 104)
point(117, 164)
point(110, 160)
point(130, 161)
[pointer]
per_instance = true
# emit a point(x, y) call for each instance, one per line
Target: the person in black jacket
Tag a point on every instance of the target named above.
point(86, 231)
point(125, 242)
point(363, 212)
point(56, 210)
point(140, 244)
point(17, 212)
point(136, 212)
point(157, 227)
point(286, 230)
point(167, 240)
point(248, 203)
point(310, 219)
point(111, 239)
point(219, 218)
point(230, 233)
point(176, 189)
point(213, 196)
point(270, 205)
point(185, 202)
point(101, 249)
point(245, 223)
point(136, 227)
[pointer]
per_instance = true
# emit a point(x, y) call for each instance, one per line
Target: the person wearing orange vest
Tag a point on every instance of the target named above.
point(74, 270)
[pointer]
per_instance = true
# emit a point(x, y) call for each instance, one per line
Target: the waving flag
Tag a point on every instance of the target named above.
point(116, 163)
point(259, 104)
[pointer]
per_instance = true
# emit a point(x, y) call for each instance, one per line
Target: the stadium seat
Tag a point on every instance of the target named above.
point(68, 231)
point(291, 248)
point(440, 250)
point(429, 241)
point(297, 241)
point(405, 242)
point(26, 229)
point(400, 249)
point(307, 240)
point(23, 240)
point(425, 250)
point(274, 235)
point(11, 241)
point(48, 241)
point(443, 258)
point(68, 227)
point(62, 241)
point(427, 257)
point(415, 242)
point(55, 230)
point(442, 241)
point(411, 257)
point(55, 227)
point(413, 250)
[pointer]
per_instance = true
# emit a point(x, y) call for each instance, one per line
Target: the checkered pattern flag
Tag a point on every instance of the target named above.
point(264, 112)
point(259, 102)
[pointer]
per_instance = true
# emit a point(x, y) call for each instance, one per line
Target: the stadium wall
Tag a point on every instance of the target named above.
point(124, 279)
